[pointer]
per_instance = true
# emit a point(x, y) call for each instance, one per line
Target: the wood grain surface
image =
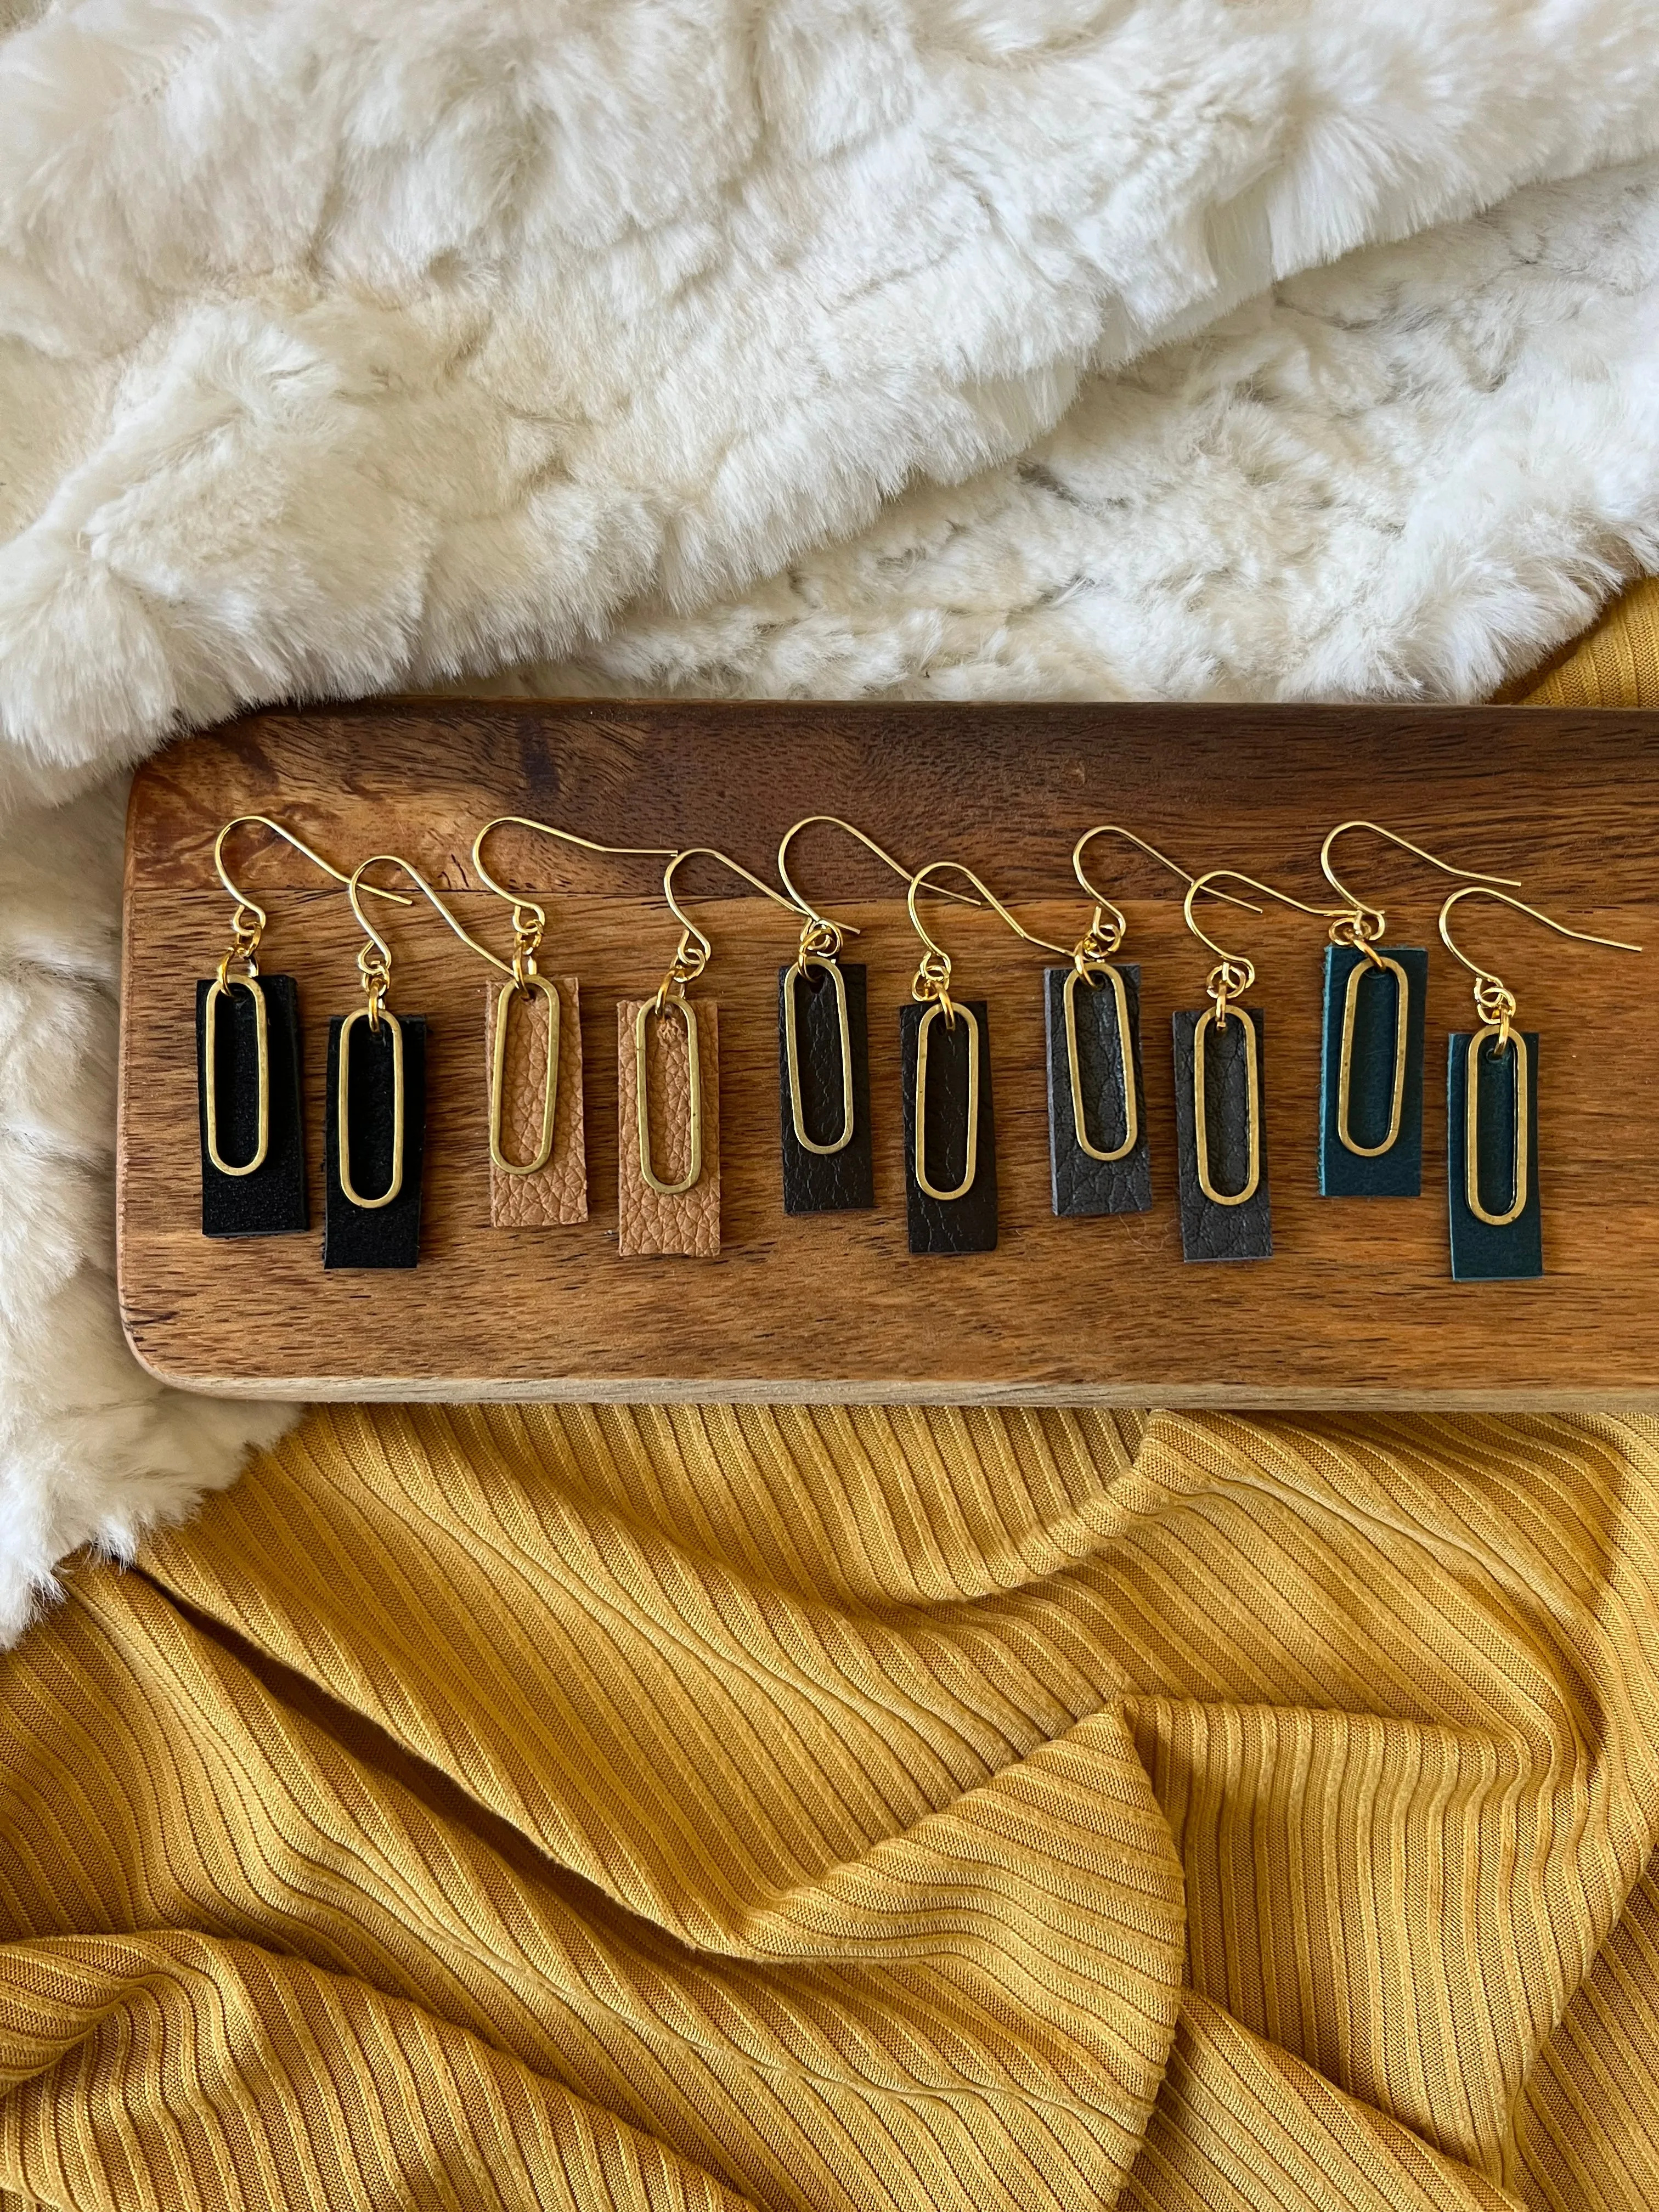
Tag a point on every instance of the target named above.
point(1357, 1307)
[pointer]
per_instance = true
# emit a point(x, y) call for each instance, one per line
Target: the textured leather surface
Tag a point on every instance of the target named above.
point(1081, 1185)
point(557, 1193)
point(1479, 1253)
point(962, 1225)
point(387, 1236)
point(818, 1182)
point(647, 1222)
point(1397, 1173)
point(272, 1200)
point(1209, 1232)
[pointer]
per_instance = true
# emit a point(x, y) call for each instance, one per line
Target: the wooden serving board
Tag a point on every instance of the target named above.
point(1356, 1309)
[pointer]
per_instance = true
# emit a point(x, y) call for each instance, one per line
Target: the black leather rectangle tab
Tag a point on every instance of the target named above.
point(384, 1235)
point(1481, 1252)
point(968, 1224)
point(825, 1182)
point(1398, 1172)
point(271, 1201)
point(1080, 1183)
point(1210, 1230)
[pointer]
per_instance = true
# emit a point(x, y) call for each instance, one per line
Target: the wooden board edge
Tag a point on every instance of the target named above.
point(123, 1059)
point(814, 1391)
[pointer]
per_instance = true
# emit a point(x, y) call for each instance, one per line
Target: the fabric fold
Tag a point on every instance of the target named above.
point(865, 1809)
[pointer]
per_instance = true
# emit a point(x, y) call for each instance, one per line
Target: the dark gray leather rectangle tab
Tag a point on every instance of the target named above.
point(1398, 1172)
point(825, 1182)
point(1480, 1251)
point(1080, 1183)
point(384, 1235)
point(968, 1224)
point(1210, 1230)
point(272, 1200)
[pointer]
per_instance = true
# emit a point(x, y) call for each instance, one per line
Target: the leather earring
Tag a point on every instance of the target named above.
point(668, 1095)
point(1496, 1221)
point(1371, 1090)
point(247, 1071)
point(824, 1050)
point(1220, 1091)
point(374, 1132)
point(1099, 1158)
point(944, 1066)
point(533, 1060)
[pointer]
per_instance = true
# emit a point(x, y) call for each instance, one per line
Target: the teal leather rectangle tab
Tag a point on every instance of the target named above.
point(1484, 1251)
point(1373, 1060)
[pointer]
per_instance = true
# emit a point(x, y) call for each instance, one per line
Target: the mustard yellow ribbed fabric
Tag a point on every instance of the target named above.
point(1616, 664)
point(824, 1809)
point(854, 1811)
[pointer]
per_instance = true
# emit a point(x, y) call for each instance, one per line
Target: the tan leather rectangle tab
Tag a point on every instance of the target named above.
point(557, 1193)
point(646, 1220)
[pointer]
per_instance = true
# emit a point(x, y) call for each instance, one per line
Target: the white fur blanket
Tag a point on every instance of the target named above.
point(1219, 347)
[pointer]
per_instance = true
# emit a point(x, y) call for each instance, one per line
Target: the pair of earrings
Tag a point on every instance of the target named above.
point(668, 1099)
point(248, 1079)
point(1372, 1076)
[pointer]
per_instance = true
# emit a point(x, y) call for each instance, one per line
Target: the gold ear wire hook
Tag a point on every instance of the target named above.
point(527, 933)
point(1366, 923)
point(247, 932)
point(691, 957)
point(1236, 972)
point(694, 951)
point(1494, 1001)
point(375, 961)
point(933, 979)
point(1231, 978)
point(821, 936)
point(1099, 944)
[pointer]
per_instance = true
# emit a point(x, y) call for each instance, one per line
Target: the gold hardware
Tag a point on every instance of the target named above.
point(221, 988)
point(527, 984)
point(1496, 1008)
point(1519, 1184)
point(932, 978)
point(1233, 976)
point(1102, 938)
point(1092, 956)
point(792, 1053)
point(1079, 974)
point(1361, 926)
point(941, 1006)
point(642, 1101)
point(529, 917)
point(820, 935)
point(374, 966)
point(1215, 1016)
point(691, 957)
point(931, 988)
point(343, 1105)
point(248, 927)
point(375, 961)
point(528, 925)
point(821, 941)
point(1234, 973)
point(694, 951)
point(1379, 962)
point(248, 922)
